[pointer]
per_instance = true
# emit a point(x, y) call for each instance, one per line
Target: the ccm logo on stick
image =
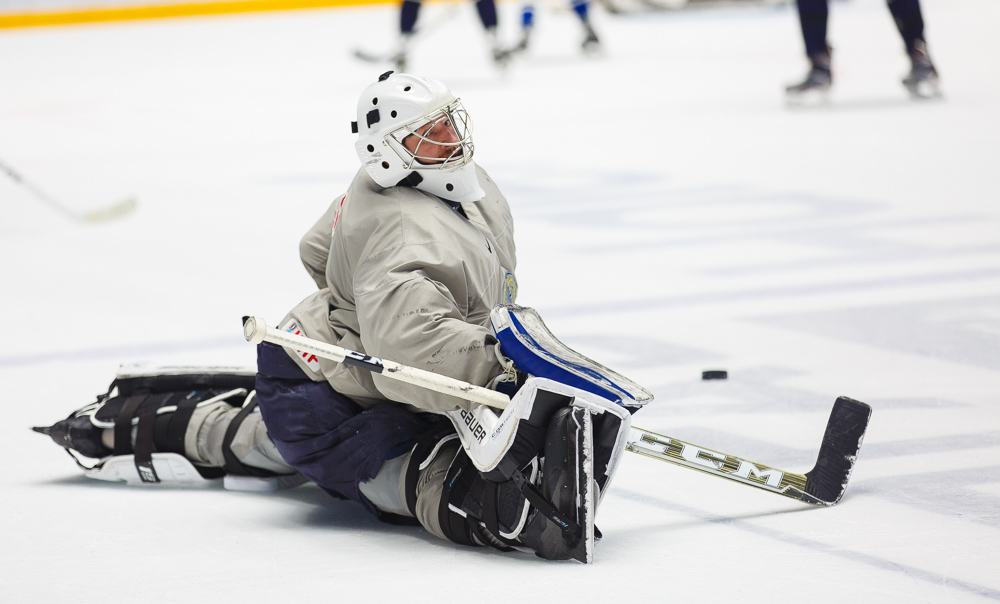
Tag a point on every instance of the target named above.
point(711, 460)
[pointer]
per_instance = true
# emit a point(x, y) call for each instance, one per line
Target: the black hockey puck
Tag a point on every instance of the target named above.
point(714, 374)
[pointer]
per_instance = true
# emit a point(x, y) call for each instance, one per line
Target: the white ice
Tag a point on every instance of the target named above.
point(673, 215)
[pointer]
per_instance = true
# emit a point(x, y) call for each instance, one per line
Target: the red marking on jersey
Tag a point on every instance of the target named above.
point(311, 360)
point(337, 217)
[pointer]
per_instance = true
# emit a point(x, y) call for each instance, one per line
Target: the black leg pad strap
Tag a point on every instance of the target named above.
point(123, 424)
point(171, 427)
point(233, 465)
point(145, 447)
point(569, 526)
point(457, 528)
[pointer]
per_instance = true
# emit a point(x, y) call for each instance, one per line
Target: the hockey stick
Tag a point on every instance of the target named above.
point(110, 212)
point(420, 32)
point(823, 485)
point(255, 330)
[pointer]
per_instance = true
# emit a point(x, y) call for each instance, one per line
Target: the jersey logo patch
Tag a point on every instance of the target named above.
point(509, 294)
point(311, 360)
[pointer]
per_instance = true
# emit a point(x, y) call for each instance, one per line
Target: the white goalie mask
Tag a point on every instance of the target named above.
point(412, 131)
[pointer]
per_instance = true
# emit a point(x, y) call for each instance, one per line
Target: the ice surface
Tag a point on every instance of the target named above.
point(663, 193)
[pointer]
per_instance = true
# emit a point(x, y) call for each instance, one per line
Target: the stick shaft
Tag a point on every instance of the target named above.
point(38, 193)
point(99, 215)
point(256, 330)
point(723, 465)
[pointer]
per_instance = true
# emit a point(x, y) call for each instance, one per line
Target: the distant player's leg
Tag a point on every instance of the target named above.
point(813, 16)
point(591, 42)
point(487, 10)
point(408, 14)
point(922, 81)
point(527, 25)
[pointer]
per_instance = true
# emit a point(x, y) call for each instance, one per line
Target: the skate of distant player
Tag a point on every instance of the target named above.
point(922, 80)
point(581, 8)
point(408, 15)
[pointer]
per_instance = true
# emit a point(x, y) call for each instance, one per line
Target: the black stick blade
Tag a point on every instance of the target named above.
point(827, 481)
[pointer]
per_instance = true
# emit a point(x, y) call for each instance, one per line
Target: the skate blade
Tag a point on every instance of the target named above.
point(924, 90)
point(592, 49)
point(808, 98)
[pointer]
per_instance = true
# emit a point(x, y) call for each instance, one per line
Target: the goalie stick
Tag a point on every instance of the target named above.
point(102, 214)
point(255, 330)
point(823, 485)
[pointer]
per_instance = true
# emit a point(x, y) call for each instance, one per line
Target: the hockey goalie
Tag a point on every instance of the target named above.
point(414, 262)
point(414, 266)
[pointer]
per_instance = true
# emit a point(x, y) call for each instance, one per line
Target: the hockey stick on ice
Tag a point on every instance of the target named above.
point(823, 485)
point(419, 33)
point(110, 212)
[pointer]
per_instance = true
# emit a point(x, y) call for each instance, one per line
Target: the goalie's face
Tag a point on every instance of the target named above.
point(435, 142)
point(412, 131)
point(441, 140)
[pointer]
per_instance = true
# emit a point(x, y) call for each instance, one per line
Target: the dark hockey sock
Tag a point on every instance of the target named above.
point(813, 15)
point(580, 8)
point(408, 16)
point(487, 13)
point(528, 16)
point(909, 21)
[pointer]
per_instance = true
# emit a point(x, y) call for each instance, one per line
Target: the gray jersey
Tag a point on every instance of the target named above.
point(406, 277)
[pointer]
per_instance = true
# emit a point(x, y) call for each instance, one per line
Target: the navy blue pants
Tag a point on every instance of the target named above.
point(813, 15)
point(326, 436)
point(411, 10)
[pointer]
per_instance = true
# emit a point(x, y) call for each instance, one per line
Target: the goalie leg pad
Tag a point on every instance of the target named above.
point(562, 528)
point(173, 425)
point(576, 440)
point(547, 512)
point(500, 444)
point(542, 496)
point(452, 500)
